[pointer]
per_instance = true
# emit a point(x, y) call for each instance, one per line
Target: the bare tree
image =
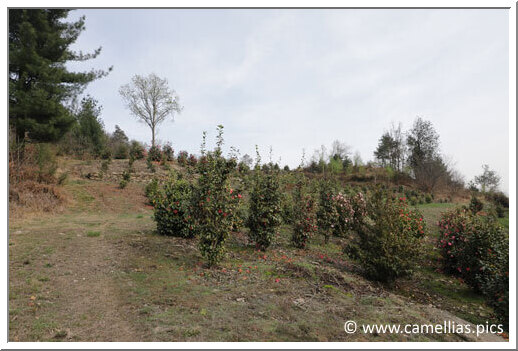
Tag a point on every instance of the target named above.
point(150, 100)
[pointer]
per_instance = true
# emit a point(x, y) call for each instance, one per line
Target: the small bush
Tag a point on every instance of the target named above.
point(172, 208)
point(154, 153)
point(476, 248)
point(428, 198)
point(287, 211)
point(152, 189)
point(264, 209)
point(126, 177)
point(137, 150)
point(498, 199)
point(475, 205)
point(351, 212)
point(327, 214)
point(46, 161)
point(182, 158)
point(168, 152)
point(389, 238)
point(121, 151)
point(150, 165)
point(214, 202)
point(305, 224)
point(192, 160)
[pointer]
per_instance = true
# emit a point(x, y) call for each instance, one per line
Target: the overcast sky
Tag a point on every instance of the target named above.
point(296, 79)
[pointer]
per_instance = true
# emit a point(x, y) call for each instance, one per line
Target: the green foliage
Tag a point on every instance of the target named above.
point(327, 214)
point(90, 128)
point(136, 150)
point(214, 201)
point(264, 208)
point(40, 85)
point(335, 165)
point(126, 177)
point(389, 239)
point(172, 208)
point(46, 161)
point(168, 152)
point(154, 153)
point(150, 165)
point(121, 151)
point(305, 223)
point(498, 199)
point(152, 189)
point(476, 248)
point(475, 205)
point(182, 158)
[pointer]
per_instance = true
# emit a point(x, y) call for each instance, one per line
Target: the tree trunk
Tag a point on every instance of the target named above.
point(152, 136)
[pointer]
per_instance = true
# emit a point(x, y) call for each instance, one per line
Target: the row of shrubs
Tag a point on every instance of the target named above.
point(386, 234)
point(476, 248)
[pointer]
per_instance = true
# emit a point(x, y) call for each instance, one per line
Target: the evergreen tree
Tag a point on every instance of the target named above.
point(40, 85)
point(90, 128)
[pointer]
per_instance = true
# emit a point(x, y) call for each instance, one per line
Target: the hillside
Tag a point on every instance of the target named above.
point(95, 270)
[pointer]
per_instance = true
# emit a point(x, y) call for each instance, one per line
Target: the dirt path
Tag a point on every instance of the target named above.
point(70, 284)
point(91, 298)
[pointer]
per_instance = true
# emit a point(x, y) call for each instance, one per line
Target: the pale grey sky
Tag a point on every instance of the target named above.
point(296, 79)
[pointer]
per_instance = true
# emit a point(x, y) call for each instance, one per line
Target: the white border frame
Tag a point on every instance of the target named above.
point(287, 345)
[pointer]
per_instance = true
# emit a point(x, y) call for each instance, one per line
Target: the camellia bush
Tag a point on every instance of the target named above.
point(327, 214)
point(305, 223)
point(264, 215)
point(154, 153)
point(214, 201)
point(351, 211)
point(389, 238)
point(476, 248)
point(172, 209)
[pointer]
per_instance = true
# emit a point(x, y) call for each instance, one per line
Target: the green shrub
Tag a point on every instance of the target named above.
point(305, 223)
point(475, 205)
point(476, 248)
point(182, 158)
point(264, 215)
point(154, 153)
point(327, 214)
point(499, 210)
point(168, 152)
point(137, 150)
point(172, 208)
point(150, 165)
point(498, 199)
point(126, 177)
point(152, 189)
point(46, 161)
point(287, 211)
point(428, 198)
point(121, 151)
point(214, 202)
point(389, 238)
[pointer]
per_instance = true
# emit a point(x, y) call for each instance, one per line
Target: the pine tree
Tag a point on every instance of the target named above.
point(40, 85)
